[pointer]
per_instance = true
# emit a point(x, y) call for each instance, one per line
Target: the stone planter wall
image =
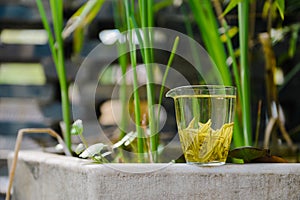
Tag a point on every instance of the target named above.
point(50, 177)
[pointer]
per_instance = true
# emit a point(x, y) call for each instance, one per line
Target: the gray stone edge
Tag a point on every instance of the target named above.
point(73, 163)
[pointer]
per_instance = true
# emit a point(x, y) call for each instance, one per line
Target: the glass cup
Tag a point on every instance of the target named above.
point(204, 115)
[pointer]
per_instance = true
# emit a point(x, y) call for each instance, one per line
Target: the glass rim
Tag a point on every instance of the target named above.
point(206, 86)
point(207, 89)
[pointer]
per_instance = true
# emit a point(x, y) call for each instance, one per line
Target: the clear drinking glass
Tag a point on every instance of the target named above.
point(204, 115)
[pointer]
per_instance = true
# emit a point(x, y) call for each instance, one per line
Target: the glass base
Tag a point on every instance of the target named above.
point(209, 164)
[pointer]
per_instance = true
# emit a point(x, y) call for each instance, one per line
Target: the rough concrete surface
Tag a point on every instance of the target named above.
point(49, 177)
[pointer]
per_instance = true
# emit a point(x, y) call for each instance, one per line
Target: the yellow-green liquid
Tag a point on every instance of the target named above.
point(209, 141)
point(205, 145)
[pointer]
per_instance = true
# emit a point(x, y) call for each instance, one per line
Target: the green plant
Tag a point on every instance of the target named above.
point(136, 16)
point(129, 21)
point(207, 22)
point(271, 10)
point(56, 42)
point(57, 50)
point(139, 15)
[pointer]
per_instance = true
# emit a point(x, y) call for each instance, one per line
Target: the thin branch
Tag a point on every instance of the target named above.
point(268, 131)
point(21, 132)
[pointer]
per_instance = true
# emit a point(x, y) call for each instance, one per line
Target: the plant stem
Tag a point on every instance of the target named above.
point(83, 140)
point(189, 30)
point(123, 93)
point(238, 139)
point(48, 29)
point(121, 25)
point(258, 123)
point(237, 135)
point(207, 24)
point(146, 20)
point(137, 109)
point(243, 12)
point(175, 45)
point(19, 139)
point(58, 58)
point(57, 51)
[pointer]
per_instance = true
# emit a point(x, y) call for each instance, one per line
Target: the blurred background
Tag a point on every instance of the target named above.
point(29, 89)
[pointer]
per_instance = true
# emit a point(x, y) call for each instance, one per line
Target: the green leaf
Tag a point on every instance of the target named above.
point(83, 16)
point(78, 38)
point(173, 52)
point(265, 10)
point(92, 150)
point(280, 4)
point(232, 4)
point(77, 127)
point(46, 25)
point(248, 153)
point(207, 24)
point(243, 23)
point(293, 40)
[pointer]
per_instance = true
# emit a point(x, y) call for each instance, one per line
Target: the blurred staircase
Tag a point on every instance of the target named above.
point(31, 103)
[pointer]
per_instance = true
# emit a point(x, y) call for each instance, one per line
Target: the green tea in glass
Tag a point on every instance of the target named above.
point(204, 115)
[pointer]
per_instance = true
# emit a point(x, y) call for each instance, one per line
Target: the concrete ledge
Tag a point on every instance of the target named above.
point(48, 176)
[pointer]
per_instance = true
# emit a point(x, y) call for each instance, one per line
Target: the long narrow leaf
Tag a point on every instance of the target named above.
point(293, 41)
point(232, 4)
point(237, 136)
point(280, 4)
point(174, 48)
point(137, 109)
point(119, 17)
point(206, 20)
point(146, 15)
point(47, 28)
point(57, 12)
point(78, 38)
point(243, 13)
point(83, 16)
